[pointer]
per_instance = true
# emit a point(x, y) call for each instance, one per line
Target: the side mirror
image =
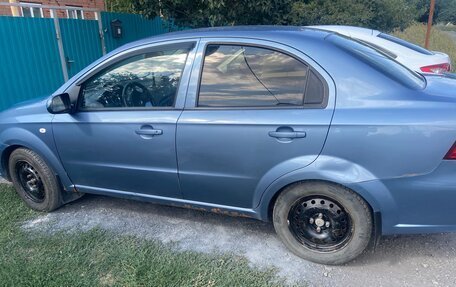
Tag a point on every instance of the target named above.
point(60, 104)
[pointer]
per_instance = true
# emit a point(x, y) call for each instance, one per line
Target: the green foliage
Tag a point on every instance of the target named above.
point(206, 13)
point(380, 14)
point(125, 6)
point(384, 15)
point(445, 10)
point(323, 12)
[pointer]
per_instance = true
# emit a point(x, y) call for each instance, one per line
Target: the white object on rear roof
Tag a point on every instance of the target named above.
point(410, 55)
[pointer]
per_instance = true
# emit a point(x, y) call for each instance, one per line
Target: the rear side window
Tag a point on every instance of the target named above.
point(379, 61)
point(245, 76)
point(403, 43)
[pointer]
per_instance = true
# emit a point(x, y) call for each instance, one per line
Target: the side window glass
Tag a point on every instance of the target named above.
point(244, 76)
point(147, 80)
point(315, 91)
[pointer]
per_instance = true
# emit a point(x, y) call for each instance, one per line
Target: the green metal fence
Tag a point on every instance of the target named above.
point(135, 27)
point(81, 43)
point(29, 59)
point(31, 63)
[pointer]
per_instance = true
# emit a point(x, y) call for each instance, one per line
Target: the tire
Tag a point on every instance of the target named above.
point(34, 181)
point(301, 214)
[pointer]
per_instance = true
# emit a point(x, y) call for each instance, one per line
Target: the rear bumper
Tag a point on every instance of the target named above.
point(417, 204)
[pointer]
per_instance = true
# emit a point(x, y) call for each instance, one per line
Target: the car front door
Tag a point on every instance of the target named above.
point(122, 137)
point(255, 110)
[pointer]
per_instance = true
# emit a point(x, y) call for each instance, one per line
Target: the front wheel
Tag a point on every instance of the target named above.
point(34, 181)
point(321, 222)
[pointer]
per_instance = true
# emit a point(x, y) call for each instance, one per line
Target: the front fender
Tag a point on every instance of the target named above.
point(41, 143)
point(336, 170)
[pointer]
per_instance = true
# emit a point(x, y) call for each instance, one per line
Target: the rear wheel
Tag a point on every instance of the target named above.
point(322, 222)
point(34, 181)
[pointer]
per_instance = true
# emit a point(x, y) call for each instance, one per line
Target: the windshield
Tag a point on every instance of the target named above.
point(379, 61)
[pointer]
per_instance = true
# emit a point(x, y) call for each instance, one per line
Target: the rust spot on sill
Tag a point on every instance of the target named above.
point(213, 210)
point(230, 213)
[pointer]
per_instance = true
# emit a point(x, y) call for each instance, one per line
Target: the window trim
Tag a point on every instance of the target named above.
point(323, 105)
point(32, 5)
point(191, 45)
point(79, 8)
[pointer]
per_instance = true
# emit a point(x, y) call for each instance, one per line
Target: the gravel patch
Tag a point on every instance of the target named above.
point(420, 260)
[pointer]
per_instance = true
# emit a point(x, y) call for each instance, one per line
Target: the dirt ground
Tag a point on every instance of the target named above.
point(419, 260)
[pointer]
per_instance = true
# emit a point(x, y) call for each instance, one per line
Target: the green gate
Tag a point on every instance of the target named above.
point(81, 43)
point(39, 54)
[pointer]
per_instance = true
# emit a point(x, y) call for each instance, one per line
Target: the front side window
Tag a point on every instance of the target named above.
point(245, 76)
point(148, 80)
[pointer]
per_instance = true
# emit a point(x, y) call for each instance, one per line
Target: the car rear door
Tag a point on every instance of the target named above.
point(122, 137)
point(255, 110)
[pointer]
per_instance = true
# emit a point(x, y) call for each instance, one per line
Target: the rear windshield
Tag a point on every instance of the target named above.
point(379, 61)
point(380, 49)
point(406, 44)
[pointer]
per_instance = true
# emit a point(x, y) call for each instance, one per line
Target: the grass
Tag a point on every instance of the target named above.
point(99, 258)
point(439, 41)
point(449, 27)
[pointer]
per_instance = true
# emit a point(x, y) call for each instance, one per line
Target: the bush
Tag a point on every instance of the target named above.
point(384, 15)
point(439, 41)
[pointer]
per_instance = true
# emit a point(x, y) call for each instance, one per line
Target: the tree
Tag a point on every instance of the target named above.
point(385, 15)
point(120, 6)
point(207, 13)
point(445, 11)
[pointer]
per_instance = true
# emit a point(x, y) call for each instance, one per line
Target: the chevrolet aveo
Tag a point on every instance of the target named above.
point(332, 141)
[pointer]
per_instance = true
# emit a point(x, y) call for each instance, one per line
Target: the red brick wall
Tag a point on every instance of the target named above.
point(5, 10)
point(98, 4)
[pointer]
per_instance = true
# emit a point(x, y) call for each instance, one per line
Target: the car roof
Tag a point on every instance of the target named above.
point(347, 30)
point(272, 33)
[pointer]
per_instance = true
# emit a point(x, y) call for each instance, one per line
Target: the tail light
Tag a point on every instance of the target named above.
point(437, 69)
point(451, 153)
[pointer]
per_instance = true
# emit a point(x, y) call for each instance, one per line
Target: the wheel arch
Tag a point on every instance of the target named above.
point(273, 199)
point(374, 210)
point(15, 138)
point(5, 159)
point(337, 171)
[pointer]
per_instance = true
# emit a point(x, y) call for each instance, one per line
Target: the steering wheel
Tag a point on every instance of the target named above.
point(111, 97)
point(137, 97)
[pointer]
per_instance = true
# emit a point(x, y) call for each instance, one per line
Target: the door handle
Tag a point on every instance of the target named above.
point(149, 132)
point(287, 135)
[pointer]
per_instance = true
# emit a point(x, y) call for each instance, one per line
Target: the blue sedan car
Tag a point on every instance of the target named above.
point(331, 140)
